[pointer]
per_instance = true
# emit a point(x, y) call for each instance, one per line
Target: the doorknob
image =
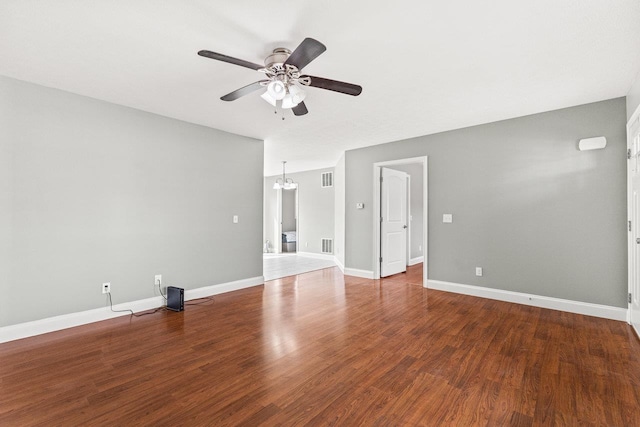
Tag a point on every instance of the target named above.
point(404, 226)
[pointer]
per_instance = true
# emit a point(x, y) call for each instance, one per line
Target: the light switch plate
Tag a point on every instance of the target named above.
point(447, 218)
point(235, 219)
point(359, 205)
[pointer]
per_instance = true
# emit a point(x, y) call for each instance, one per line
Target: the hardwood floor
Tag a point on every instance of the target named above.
point(327, 349)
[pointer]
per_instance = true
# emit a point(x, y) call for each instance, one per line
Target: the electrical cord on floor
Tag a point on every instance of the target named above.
point(206, 299)
point(196, 303)
point(163, 308)
point(131, 311)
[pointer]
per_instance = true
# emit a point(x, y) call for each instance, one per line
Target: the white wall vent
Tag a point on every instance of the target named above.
point(327, 246)
point(326, 179)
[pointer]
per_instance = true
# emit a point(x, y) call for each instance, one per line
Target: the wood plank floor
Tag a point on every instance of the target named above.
point(327, 349)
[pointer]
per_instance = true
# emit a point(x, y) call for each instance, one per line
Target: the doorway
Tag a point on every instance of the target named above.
point(286, 221)
point(420, 238)
point(289, 221)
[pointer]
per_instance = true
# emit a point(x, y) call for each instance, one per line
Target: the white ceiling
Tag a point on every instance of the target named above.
point(425, 66)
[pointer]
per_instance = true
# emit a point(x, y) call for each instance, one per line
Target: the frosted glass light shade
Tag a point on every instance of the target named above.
point(267, 97)
point(287, 102)
point(277, 90)
point(297, 94)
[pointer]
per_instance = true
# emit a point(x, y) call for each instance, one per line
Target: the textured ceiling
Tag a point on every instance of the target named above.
point(425, 66)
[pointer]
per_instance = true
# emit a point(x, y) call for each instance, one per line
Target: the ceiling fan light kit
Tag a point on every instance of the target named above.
point(285, 85)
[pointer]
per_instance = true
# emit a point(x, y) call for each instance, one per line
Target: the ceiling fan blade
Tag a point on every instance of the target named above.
point(336, 86)
point(229, 59)
point(243, 91)
point(300, 109)
point(306, 52)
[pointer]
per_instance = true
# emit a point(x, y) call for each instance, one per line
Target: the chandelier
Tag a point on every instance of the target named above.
point(284, 183)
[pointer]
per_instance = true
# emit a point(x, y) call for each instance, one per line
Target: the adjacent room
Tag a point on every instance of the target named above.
point(298, 223)
point(361, 213)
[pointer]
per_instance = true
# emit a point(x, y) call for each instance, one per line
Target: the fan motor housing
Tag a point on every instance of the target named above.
point(279, 56)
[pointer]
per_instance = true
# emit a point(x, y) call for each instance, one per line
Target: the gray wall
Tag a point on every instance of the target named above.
point(538, 215)
point(315, 210)
point(633, 97)
point(339, 209)
point(6, 211)
point(414, 170)
point(99, 192)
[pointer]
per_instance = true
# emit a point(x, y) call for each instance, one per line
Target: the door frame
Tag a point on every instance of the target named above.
point(635, 117)
point(376, 211)
point(409, 220)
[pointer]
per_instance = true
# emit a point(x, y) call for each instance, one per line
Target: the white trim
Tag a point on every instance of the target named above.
point(424, 160)
point(630, 240)
point(416, 260)
point(222, 288)
point(338, 263)
point(65, 321)
point(589, 309)
point(327, 257)
point(409, 220)
point(365, 274)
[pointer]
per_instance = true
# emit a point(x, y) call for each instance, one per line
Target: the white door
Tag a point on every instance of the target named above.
point(634, 234)
point(393, 223)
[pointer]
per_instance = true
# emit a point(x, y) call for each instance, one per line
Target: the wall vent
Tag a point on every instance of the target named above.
point(326, 179)
point(327, 246)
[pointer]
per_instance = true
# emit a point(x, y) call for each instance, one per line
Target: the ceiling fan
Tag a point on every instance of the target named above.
point(284, 81)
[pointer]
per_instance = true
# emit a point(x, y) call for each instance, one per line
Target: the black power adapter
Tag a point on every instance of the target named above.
point(175, 298)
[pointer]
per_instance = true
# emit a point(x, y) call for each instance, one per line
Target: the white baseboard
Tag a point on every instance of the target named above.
point(417, 260)
point(365, 274)
point(339, 264)
point(589, 309)
point(222, 288)
point(65, 321)
point(327, 257)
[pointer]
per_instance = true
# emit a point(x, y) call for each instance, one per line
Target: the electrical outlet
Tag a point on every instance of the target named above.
point(420, 248)
point(478, 271)
point(106, 288)
point(158, 280)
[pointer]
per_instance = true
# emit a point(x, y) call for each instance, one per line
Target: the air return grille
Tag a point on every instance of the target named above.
point(327, 246)
point(326, 179)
